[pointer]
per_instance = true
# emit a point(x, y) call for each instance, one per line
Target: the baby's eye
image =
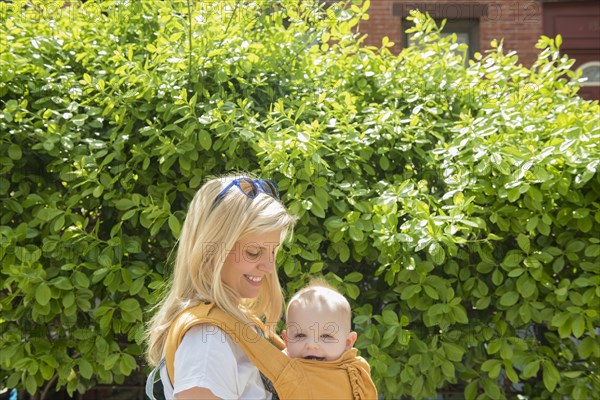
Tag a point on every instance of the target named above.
point(300, 335)
point(328, 338)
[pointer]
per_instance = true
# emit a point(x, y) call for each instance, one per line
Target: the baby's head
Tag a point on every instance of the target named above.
point(318, 321)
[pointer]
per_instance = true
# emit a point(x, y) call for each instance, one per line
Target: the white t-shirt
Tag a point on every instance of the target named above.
point(209, 358)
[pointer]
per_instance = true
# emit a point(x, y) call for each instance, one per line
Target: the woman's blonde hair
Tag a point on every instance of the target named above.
point(210, 230)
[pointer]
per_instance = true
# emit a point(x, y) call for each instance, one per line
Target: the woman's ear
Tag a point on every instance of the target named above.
point(350, 340)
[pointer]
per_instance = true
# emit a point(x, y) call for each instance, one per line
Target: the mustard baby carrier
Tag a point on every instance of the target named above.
point(293, 378)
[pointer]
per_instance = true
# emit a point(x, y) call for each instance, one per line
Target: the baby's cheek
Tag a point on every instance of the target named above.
point(292, 350)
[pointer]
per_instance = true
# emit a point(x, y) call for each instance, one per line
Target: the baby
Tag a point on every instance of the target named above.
point(318, 322)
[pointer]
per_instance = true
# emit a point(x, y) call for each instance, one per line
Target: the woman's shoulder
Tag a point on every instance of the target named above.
point(209, 339)
point(205, 333)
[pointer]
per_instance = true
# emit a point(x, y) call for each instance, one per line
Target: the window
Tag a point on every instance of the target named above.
point(467, 32)
point(590, 71)
point(461, 19)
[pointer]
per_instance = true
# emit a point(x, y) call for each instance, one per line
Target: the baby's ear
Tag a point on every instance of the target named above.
point(284, 337)
point(350, 340)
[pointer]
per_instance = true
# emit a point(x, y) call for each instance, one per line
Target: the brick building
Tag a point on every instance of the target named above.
point(519, 22)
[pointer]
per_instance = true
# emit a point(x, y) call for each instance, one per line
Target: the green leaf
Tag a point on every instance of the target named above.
point(127, 364)
point(390, 317)
point(353, 277)
point(42, 294)
point(471, 390)
point(333, 223)
point(316, 267)
point(384, 162)
point(417, 387)
point(578, 326)
point(532, 223)
point(493, 367)
point(460, 315)
point(565, 329)
point(510, 372)
point(48, 214)
point(204, 139)
point(531, 369)
point(558, 264)
point(85, 368)
point(124, 204)
point(524, 243)
point(98, 190)
point(581, 213)
point(46, 371)
point(453, 351)
point(431, 292)
point(516, 272)
point(355, 233)
point(592, 251)
point(509, 298)
point(352, 290)
point(344, 253)
point(68, 300)
point(448, 369)
point(585, 225)
point(410, 291)
point(63, 283)
point(525, 312)
point(30, 384)
point(494, 346)
point(81, 280)
point(79, 120)
point(437, 253)
point(111, 360)
point(14, 152)
point(512, 260)
point(579, 393)
point(129, 305)
point(551, 376)
point(319, 212)
point(586, 347)
point(575, 246)
point(526, 286)
point(174, 225)
point(506, 352)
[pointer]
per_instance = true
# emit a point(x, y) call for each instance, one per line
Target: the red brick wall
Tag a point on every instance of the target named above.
point(382, 23)
point(519, 23)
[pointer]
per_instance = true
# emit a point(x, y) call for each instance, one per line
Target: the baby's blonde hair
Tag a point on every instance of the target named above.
point(319, 293)
point(210, 230)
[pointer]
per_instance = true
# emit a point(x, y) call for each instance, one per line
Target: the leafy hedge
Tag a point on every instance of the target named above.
point(456, 206)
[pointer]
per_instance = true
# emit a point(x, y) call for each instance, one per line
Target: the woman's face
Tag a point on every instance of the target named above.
point(249, 262)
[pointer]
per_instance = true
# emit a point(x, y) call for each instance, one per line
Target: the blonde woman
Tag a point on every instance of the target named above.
point(226, 256)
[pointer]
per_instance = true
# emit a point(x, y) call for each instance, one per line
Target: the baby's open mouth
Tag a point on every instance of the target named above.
point(314, 358)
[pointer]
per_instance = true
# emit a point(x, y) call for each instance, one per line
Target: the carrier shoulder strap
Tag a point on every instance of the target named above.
point(267, 356)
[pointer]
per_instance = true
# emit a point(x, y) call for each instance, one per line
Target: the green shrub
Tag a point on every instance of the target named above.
point(456, 206)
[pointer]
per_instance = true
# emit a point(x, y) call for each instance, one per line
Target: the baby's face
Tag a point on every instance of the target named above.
point(317, 335)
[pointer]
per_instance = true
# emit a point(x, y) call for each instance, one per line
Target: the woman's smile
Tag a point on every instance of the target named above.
point(254, 280)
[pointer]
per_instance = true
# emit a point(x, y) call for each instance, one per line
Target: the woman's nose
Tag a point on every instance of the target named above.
point(267, 265)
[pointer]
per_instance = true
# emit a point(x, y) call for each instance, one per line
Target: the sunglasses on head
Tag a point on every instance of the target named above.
point(251, 188)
